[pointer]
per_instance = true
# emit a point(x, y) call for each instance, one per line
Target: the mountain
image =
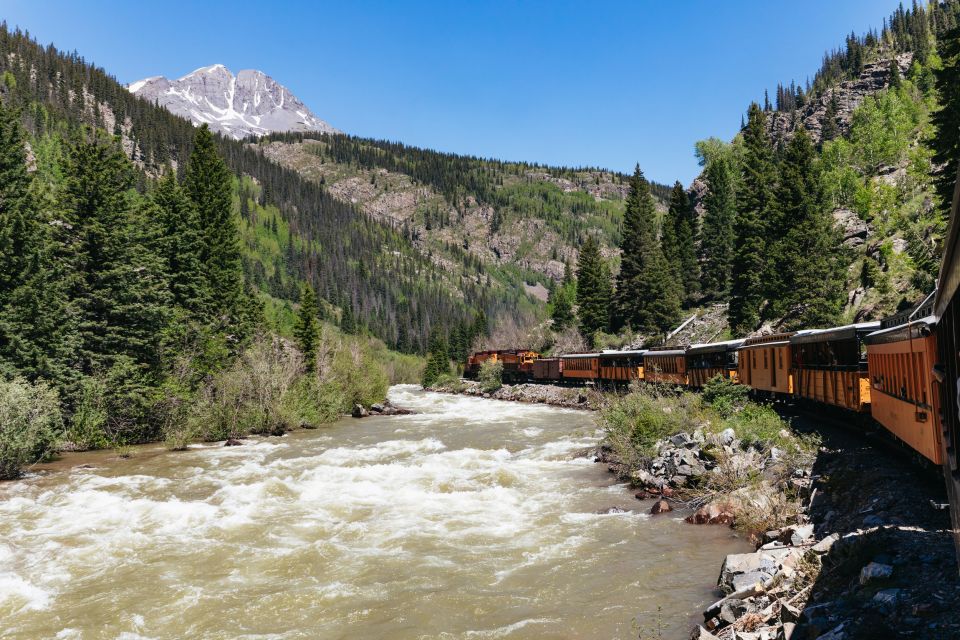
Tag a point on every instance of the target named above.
point(248, 104)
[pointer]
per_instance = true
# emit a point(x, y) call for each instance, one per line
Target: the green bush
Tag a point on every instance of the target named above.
point(760, 425)
point(311, 403)
point(490, 376)
point(30, 423)
point(724, 396)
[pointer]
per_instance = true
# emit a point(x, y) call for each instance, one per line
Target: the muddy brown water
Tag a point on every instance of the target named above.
point(470, 519)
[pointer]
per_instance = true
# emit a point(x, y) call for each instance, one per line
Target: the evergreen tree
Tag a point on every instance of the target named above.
point(828, 128)
point(208, 183)
point(668, 236)
point(438, 359)
point(756, 222)
point(561, 307)
point(896, 81)
point(35, 323)
point(946, 144)
point(684, 258)
point(118, 284)
point(593, 291)
point(717, 239)
point(181, 244)
point(307, 329)
point(809, 291)
point(647, 293)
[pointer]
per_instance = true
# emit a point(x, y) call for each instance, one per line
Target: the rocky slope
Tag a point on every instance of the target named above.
point(533, 245)
point(250, 103)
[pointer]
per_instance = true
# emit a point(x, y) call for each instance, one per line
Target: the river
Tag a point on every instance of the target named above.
point(470, 519)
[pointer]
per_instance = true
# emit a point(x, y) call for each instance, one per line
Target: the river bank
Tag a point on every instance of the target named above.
point(549, 394)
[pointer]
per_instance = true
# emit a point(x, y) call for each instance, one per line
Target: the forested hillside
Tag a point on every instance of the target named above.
point(293, 228)
point(520, 223)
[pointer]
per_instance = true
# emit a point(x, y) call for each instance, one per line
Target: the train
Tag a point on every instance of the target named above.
point(890, 373)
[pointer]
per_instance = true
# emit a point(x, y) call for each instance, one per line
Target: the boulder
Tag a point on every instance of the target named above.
point(661, 506)
point(732, 609)
point(826, 544)
point(702, 634)
point(713, 513)
point(756, 566)
point(727, 436)
point(377, 408)
point(232, 442)
point(359, 411)
point(800, 534)
point(875, 571)
point(886, 599)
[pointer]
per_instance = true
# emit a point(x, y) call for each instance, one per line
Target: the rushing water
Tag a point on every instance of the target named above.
point(471, 519)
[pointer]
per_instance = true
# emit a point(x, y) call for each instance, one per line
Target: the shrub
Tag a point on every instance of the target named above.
point(88, 425)
point(490, 376)
point(724, 395)
point(359, 376)
point(30, 422)
point(311, 403)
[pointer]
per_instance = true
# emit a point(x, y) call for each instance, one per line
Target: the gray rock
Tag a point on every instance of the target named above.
point(747, 580)
point(732, 609)
point(702, 634)
point(801, 534)
point(738, 564)
point(887, 599)
point(875, 571)
point(681, 439)
point(826, 544)
point(837, 633)
point(727, 436)
point(359, 411)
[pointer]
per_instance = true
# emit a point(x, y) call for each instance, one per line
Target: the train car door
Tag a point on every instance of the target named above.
point(773, 367)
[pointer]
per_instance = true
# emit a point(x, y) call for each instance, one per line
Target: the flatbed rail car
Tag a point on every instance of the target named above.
point(517, 363)
point(830, 366)
point(621, 367)
point(581, 367)
point(947, 370)
point(705, 361)
point(665, 365)
point(900, 361)
point(764, 365)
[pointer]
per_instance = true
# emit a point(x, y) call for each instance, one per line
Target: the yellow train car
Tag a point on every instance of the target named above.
point(830, 366)
point(900, 361)
point(517, 363)
point(705, 361)
point(621, 367)
point(764, 364)
point(665, 365)
point(580, 366)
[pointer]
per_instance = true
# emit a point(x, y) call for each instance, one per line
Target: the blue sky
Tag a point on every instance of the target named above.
point(594, 83)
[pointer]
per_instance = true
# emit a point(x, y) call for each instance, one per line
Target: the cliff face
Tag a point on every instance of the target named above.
point(848, 96)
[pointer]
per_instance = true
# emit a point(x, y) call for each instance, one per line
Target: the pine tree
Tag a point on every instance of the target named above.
point(438, 359)
point(756, 222)
point(828, 128)
point(208, 183)
point(36, 326)
point(307, 329)
point(946, 144)
point(593, 291)
point(181, 244)
point(668, 236)
point(717, 238)
point(684, 257)
point(809, 291)
point(118, 284)
point(896, 81)
point(561, 307)
point(647, 293)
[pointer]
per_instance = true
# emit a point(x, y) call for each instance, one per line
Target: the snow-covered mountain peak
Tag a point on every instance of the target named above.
point(250, 103)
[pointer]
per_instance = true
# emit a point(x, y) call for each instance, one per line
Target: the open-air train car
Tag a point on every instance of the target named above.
point(705, 361)
point(667, 365)
point(621, 367)
point(947, 369)
point(830, 366)
point(903, 395)
point(763, 364)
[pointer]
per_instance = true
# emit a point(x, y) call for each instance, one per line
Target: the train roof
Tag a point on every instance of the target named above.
point(846, 332)
point(611, 353)
point(905, 331)
point(714, 347)
point(672, 351)
point(769, 340)
point(580, 355)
